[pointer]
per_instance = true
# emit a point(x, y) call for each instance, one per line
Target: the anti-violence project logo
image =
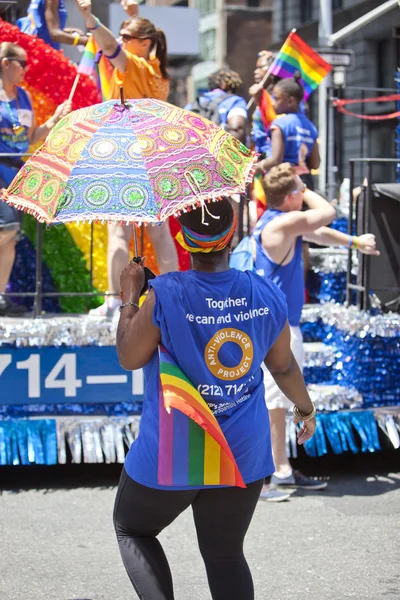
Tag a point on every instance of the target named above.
point(213, 347)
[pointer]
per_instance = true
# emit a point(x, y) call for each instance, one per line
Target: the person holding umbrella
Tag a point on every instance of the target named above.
point(201, 335)
point(215, 325)
point(140, 68)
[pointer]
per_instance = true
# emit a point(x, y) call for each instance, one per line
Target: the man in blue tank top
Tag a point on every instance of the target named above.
point(278, 236)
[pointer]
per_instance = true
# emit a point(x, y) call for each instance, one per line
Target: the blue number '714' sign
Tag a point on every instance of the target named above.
point(56, 375)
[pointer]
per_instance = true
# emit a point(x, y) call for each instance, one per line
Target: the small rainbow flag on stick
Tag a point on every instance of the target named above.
point(258, 188)
point(267, 110)
point(192, 448)
point(97, 67)
point(296, 55)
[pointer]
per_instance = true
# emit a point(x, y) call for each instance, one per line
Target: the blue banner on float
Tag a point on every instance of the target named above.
point(51, 375)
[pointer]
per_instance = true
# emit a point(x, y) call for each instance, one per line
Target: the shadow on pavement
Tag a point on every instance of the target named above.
point(347, 474)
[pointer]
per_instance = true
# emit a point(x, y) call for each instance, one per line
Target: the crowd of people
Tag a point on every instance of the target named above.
point(256, 428)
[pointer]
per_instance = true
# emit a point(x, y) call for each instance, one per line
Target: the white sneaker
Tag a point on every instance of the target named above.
point(108, 310)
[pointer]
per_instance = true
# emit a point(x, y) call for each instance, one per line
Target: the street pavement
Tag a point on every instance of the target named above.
point(57, 540)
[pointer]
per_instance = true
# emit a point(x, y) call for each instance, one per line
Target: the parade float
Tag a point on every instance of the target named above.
point(65, 398)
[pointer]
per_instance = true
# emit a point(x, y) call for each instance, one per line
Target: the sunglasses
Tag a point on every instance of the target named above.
point(127, 38)
point(300, 190)
point(21, 61)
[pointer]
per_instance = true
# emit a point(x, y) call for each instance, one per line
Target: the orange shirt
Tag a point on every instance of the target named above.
point(142, 79)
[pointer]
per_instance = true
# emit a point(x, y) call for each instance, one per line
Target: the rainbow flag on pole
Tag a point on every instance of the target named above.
point(97, 67)
point(192, 448)
point(296, 55)
point(267, 110)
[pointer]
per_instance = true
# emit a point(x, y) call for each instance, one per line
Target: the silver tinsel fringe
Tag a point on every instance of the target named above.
point(84, 331)
point(58, 331)
point(352, 320)
point(96, 440)
point(330, 260)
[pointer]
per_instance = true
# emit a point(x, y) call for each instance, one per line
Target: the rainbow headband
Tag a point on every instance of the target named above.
point(196, 242)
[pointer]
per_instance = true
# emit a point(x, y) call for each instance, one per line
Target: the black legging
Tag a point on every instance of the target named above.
point(222, 517)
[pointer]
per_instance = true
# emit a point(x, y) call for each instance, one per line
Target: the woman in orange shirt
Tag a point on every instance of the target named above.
point(141, 69)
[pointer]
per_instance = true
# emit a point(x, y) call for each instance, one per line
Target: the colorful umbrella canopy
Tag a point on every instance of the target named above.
point(141, 161)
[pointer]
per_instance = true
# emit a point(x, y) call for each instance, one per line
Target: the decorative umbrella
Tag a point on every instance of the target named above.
point(135, 162)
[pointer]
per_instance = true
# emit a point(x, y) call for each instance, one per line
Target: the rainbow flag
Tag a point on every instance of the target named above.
point(296, 55)
point(192, 448)
point(267, 110)
point(258, 189)
point(97, 67)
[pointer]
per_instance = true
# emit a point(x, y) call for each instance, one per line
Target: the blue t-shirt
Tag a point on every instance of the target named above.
point(230, 105)
point(299, 135)
point(289, 278)
point(260, 139)
point(36, 12)
point(218, 327)
point(21, 114)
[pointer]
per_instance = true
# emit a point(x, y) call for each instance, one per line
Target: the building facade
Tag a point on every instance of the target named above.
point(376, 60)
point(231, 33)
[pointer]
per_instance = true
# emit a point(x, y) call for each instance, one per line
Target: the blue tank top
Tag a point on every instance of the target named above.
point(299, 135)
point(289, 278)
point(37, 10)
point(11, 140)
point(218, 327)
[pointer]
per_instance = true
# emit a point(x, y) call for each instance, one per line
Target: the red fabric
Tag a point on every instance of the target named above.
point(50, 72)
point(340, 103)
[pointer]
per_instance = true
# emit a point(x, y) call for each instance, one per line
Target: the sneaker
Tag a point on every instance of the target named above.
point(272, 495)
point(10, 308)
point(108, 310)
point(297, 481)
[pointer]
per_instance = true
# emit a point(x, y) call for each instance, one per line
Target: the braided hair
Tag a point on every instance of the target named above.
point(224, 79)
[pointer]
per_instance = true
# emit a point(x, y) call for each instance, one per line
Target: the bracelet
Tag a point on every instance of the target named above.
point(98, 23)
point(130, 303)
point(76, 38)
point(300, 417)
point(117, 51)
point(353, 242)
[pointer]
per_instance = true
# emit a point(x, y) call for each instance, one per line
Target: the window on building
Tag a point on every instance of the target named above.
point(381, 138)
point(253, 3)
point(337, 4)
point(207, 44)
point(306, 10)
point(205, 6)
point(385, 63)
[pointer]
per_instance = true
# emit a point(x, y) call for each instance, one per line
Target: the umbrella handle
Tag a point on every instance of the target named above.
point(147, 273)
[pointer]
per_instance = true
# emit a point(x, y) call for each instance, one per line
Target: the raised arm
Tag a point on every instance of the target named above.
point(137, 336)
point(287, 375)
point(56, 33)
point(130, 7)
point(320, 213)
point(325, 236)
point(103, 36)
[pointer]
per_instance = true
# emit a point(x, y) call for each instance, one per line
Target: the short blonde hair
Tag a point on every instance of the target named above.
point(278, 183)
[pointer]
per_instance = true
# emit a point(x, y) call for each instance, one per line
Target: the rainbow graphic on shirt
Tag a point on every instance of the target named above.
point(192, 448)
